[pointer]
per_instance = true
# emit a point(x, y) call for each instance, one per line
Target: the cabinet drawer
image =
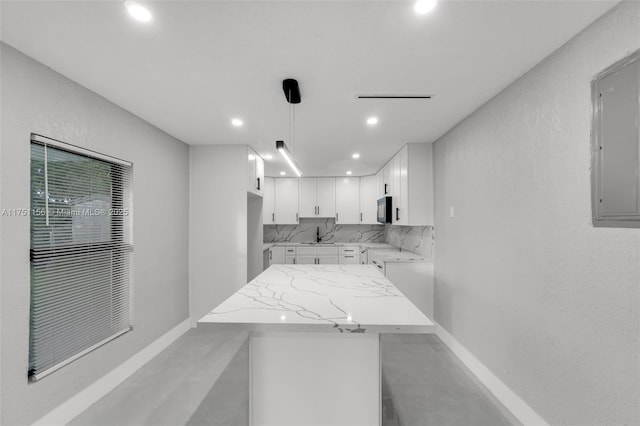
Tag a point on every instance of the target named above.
point(290, 251)
point(327, 251)
point(305, 251)
point(349, 250)
point(349, 259)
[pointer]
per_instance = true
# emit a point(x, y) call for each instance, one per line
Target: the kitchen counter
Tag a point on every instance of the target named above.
point(328, 298)
point(388, 255)
point(341, 244)
point(311, 327)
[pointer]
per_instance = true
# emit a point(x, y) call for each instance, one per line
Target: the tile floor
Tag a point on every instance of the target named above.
point(202, 379)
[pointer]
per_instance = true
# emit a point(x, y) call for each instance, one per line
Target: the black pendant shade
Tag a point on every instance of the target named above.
point(291, 90)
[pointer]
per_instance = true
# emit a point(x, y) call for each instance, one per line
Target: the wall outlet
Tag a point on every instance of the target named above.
point(451, 212)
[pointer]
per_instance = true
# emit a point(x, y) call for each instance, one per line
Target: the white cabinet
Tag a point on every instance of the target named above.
point(347, 200)
point(276, 256)
point(286, 200)
point(268, 202)
point(255, 172)
point(413, 202)
point(317, 197)
point(349, 255)
point(289, 255)
point(380, 184)
point(368, 200)
point(397, 187)
point(387, 179)
point(314, 255)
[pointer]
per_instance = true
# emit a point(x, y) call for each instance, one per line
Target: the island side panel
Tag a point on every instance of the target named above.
point(321, 379)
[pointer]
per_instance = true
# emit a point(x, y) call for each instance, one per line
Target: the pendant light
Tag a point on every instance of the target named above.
point(292, 94)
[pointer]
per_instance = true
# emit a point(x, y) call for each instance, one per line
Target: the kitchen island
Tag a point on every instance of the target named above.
point(314, 335)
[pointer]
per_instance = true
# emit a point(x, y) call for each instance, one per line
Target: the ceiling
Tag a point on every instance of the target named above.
point(198, 64)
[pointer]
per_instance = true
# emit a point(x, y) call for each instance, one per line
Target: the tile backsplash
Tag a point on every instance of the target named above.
point(305, 231)
point(418, 239)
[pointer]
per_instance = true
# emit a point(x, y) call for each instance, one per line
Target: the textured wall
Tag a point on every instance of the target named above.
point(36, 99)
point(306, 230)
point(523, 280)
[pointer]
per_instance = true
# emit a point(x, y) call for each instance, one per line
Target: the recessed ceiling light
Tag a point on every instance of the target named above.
point(236, 122)
point(349, 172)
point(268, 157)
point(283, 173)
point(423, 7)
point(138, 12)
point(372, 121)
point(356, 156)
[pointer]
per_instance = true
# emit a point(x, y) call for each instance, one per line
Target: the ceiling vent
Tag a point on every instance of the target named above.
point(392, 96)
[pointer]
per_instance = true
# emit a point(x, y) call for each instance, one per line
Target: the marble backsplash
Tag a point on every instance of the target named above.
point(418, 239)
point(305, 231)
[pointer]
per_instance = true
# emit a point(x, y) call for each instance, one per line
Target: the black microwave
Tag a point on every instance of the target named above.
point(385, 210)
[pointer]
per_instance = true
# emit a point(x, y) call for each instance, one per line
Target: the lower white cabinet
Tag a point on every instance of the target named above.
point(315, 255)
point(349, 255)
point(276, 256)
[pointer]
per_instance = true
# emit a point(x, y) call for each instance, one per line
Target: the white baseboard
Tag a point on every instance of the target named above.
point(506, 396)
point(75, 405)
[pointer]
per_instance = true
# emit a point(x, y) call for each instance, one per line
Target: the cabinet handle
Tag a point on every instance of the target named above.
point(385, 189)
point(337, 217)
point(297, 217)
point(273, 217)
point(360, 217)
point(397, 213)
point(349, 256)
point(258, 179)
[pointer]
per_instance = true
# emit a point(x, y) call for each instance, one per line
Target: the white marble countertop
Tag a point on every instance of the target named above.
point(325, 298)
point(386, 255)
point(336, 244)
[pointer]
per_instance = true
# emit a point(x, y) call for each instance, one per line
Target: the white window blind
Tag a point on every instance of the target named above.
point(81, 253)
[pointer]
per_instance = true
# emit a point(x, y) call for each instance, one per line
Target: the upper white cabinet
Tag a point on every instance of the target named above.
point(286, 201)
point(387, 180)
point(396, 185)
point(255, 172)
point(317, 197)
point(413, 199)
point(347, 200)
point(368, 200)
point(268, 202)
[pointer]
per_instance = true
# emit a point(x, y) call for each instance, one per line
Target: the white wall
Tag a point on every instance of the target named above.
point(37, 99)
point(217, 225)
point(523, 280)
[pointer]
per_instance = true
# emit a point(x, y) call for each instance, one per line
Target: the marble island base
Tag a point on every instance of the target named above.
point(322, 379)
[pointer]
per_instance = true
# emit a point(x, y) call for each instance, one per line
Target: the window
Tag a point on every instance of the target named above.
point(81, 253)
point(615, 169)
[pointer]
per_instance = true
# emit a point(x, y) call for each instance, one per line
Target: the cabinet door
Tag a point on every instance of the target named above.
point(308, 197)
point(403, 184)
point(397, 192)
point(368, 200)
point(305, 260)
point(276, 256)
point(380, 184)
point(326, 197)
point(259, 182)
point(328, 259)
point(286, 200)
point(251, 170)
point(387, 174)
point(348, 200)
point(268, 206)
point(290, 260)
